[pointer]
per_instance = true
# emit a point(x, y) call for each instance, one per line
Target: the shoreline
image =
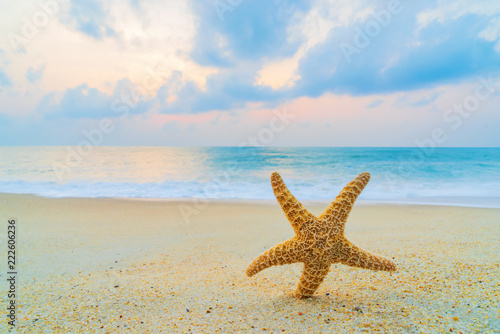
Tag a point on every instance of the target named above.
point(465, 202)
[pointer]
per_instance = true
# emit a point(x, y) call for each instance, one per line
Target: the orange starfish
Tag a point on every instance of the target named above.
point(319, 242)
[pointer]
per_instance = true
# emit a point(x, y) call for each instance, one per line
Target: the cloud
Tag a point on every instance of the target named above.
point(446, 10)
point(34, 75)
point(90, 18)
point(250, 30)
point(5, 81)
point(226, 90)
point(426, 100)
point(87, 102)
point(398, 58)
point(492, 33)
point(403, 55)
point(375, 103)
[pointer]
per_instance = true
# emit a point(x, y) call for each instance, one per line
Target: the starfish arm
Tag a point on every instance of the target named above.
point(312, 276)
point(354, 256)
point(339, 209)
point(297, 215)
point(283, 253)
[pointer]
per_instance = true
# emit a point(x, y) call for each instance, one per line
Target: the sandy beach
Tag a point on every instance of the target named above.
point(139, 266)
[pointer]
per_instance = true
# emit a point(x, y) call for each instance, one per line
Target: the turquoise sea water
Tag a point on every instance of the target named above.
point(468, 176)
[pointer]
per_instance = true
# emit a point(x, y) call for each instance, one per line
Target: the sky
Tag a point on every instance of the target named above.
point(240, 72)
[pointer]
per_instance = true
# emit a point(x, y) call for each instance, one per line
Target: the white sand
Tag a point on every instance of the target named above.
point(103, 265)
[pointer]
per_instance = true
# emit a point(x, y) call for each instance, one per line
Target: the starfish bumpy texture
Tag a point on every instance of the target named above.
point(319, 241)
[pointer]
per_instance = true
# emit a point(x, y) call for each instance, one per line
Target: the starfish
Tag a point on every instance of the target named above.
point(319, 242)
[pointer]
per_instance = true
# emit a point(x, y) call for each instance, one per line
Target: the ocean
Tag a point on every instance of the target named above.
point(456, 176)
